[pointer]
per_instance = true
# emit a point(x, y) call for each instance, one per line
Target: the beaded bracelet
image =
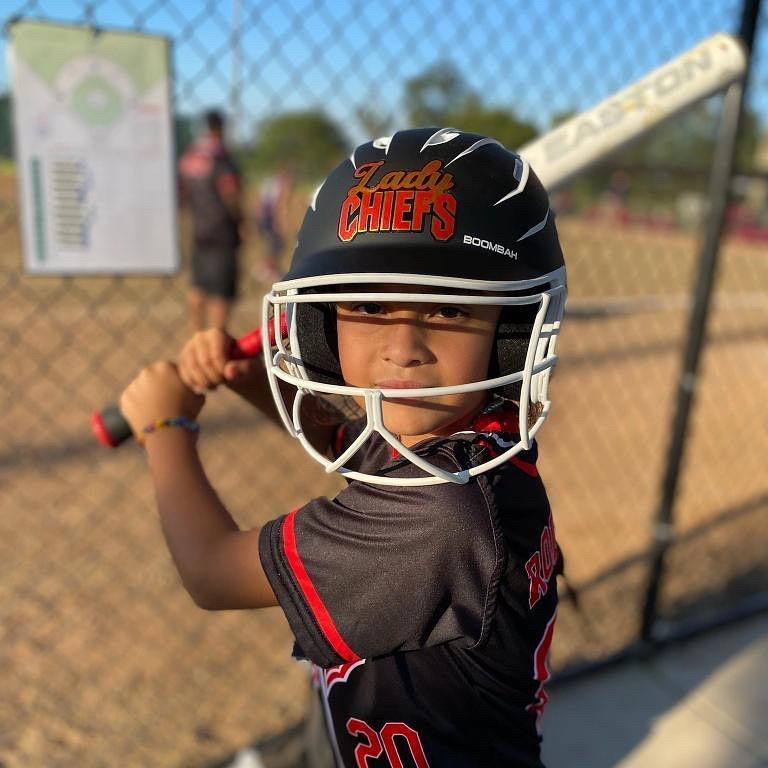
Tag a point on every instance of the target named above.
point(175, 421)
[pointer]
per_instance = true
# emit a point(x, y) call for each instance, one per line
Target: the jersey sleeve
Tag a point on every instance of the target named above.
point(382, 569)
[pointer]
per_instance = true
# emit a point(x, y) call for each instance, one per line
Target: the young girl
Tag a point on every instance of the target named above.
point(426, 289)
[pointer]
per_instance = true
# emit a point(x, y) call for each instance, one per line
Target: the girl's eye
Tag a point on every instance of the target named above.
point(450, 313)
point(369, 308)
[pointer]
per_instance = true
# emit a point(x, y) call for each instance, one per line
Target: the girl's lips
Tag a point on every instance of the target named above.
point(399, 384)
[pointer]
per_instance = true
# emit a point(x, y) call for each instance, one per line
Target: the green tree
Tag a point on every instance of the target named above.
point(308, 141)
point(439, 96)
point(373, 122)
point(500, 124)
point(431, 97)
point(689, 140)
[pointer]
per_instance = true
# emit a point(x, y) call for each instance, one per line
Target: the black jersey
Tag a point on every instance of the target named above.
point(428, 610)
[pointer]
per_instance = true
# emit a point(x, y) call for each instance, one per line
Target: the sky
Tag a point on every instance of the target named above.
point(543, 57)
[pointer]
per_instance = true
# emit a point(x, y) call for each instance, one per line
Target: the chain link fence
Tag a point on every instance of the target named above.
point(104, 658)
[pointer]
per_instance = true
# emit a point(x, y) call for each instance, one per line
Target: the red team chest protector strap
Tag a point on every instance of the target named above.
point(310, 593)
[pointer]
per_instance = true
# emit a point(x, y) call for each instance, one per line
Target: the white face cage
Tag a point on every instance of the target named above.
point(285, 364)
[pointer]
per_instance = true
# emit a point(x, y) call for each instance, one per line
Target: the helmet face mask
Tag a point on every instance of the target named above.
point(445, 212)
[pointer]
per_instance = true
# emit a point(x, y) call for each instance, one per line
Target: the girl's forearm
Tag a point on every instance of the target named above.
point(197, 527)
point(256, 391)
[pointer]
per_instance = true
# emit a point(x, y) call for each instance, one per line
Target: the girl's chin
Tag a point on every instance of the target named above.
point(416, 419)
point(413, 426)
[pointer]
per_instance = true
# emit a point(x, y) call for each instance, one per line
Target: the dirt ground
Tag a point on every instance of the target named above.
point(104, 658)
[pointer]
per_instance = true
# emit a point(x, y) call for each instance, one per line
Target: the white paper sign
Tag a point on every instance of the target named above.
point(94, 150)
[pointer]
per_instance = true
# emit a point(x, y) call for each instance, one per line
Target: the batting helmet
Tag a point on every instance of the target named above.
point(442, 209)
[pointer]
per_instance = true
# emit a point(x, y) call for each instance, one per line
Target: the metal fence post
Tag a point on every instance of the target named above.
point(719, 196)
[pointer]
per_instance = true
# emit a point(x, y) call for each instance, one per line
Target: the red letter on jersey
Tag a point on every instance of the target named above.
point(538, 586)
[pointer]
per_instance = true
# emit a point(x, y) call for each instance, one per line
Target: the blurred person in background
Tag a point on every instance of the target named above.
point(210, 187)
point(271, 217)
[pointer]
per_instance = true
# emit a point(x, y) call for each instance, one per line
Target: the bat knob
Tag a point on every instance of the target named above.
point(109, 427)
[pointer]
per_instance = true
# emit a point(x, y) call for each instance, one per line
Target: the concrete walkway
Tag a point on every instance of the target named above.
point(698, 704)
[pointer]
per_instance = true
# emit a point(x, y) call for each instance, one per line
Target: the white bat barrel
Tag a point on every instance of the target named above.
point(591, 136)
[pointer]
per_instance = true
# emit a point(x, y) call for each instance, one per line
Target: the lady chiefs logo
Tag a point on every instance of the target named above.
point(399, 201)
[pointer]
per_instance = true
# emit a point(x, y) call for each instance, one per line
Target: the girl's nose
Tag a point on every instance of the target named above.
point(404, 343)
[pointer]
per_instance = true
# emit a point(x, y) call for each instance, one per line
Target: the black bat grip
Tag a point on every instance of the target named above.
point(109, 427)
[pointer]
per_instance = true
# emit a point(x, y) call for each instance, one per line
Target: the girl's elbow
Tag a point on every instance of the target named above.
point(205, 602)
point(202, 596)
point(213, 601)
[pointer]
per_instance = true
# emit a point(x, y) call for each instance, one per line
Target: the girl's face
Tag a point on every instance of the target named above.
point(409, 345)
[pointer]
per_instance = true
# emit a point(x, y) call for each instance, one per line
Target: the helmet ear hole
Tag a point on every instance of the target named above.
point(316, 328)
point(513, 335)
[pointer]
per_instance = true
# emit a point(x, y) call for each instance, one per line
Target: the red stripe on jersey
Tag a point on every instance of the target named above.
point(526, 466)
point(314, 601)
point(541, 672)
point(339, 438)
